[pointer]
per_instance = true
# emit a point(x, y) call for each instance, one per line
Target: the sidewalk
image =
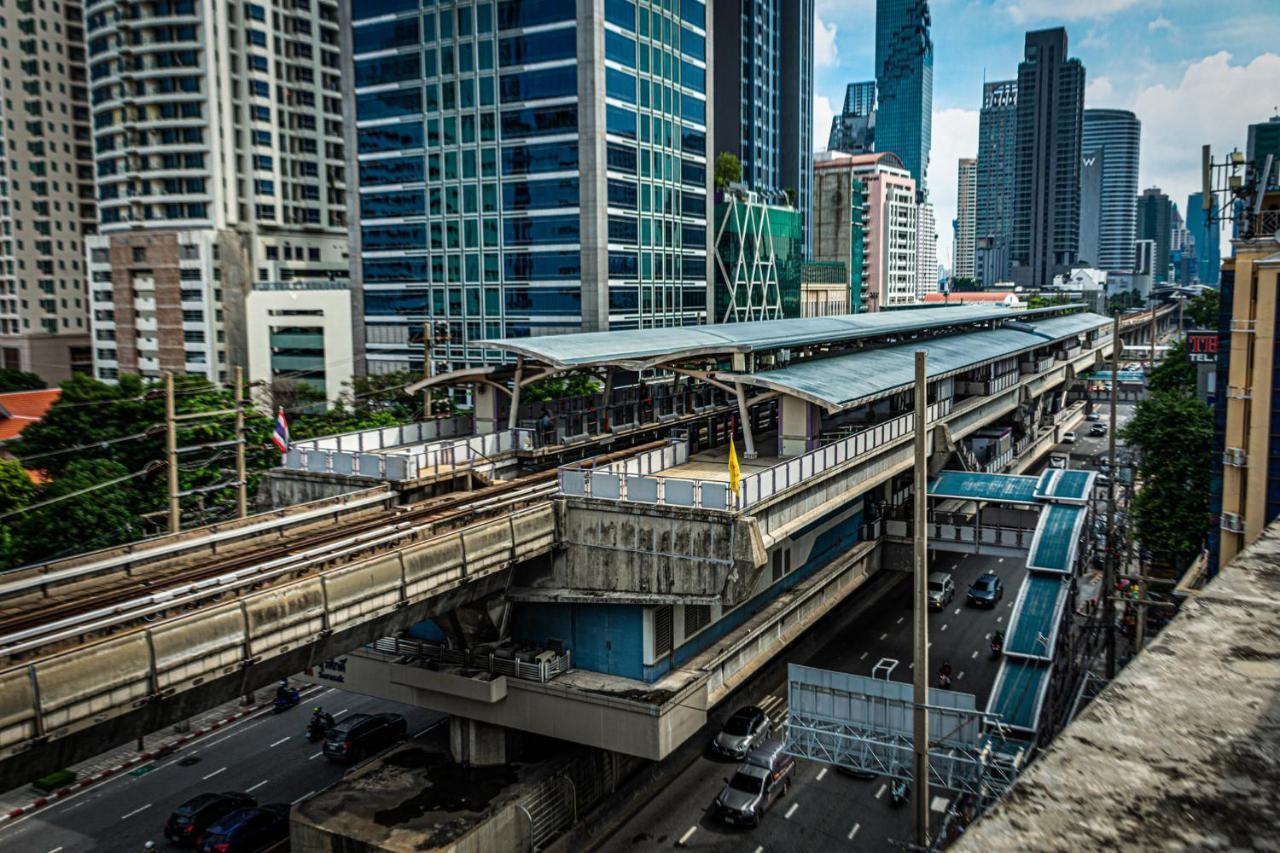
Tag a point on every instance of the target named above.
point(128, 757)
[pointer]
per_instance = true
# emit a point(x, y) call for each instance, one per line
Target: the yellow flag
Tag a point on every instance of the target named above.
point(735, 474)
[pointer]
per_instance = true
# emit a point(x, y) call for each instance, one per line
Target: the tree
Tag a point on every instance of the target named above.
point(558, 387)
point(963, 284)
point(1037, 300)
point(16, 491)
point(97, 518)
point(1202, 310)
point(1175, 373)
point(18, 380)
point(728, 169)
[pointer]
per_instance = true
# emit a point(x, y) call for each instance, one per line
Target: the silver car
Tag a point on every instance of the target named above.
point(765, 776)
point(745, 729)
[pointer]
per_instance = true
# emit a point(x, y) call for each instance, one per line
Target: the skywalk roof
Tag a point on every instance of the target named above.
point(650, 347)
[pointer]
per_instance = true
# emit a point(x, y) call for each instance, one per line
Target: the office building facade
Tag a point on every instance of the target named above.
point(1263, 139)
point(853, 131)
point(963, 251)
point(1046, 222)
point(997, 152)
point(1205, 235)
point(526, 169)
point(926, 250)
point(904, 84)
point(220, 167)
point(763, 69)
point(759, 248)
point(46, 191)
point(1155, 223)
point(1111, 141)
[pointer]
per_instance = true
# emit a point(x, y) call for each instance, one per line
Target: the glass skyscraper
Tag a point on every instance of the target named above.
point(904, 80)
point(997, 150)
point(853, 131)
point(527, 168)
point(1117, 134)
point(1205, 234)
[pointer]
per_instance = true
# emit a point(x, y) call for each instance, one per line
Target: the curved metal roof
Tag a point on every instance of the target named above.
point(650, 347)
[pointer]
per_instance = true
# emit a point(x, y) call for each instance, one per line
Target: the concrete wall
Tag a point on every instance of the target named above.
point(328, 310)
point(601, 637)
point(281, 487)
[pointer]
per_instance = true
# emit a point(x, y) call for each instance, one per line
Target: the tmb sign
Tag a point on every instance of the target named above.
point(1202, 346)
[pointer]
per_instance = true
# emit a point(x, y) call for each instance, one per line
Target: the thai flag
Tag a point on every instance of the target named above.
point(281, 434)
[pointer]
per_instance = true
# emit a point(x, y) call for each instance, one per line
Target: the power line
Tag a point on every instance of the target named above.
point(96, 444)
point(76, 493)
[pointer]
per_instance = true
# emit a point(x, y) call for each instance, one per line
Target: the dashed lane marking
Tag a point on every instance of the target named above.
point(214, 773)
point(854, 831)
point(688, 833)
point(957, 611)
point(880, 793)
point(314, 757)
point(255, 787)
point(960, 676)
point(282, 740)
point(1000, 559)
point(900, 618)
point(864, 656)
point(974, 655)
point(884, 635)
point(55, 850)
point(303, 797)
point(944, 627)
point(340, 713)
point(999, 618)
point(759, 848)
point(821, 773)
point(791, 811)
point(135, 812)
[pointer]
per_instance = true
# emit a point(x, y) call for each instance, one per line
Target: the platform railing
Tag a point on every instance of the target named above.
point(526, 669)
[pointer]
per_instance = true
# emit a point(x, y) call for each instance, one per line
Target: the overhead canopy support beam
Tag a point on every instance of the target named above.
point(745, 413)
point(515, 394)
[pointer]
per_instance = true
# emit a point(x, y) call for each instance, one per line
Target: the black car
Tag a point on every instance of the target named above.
point(1098, 429)
point(189, 821)
point(248, 830)
point(986, 591)
point(361, 735)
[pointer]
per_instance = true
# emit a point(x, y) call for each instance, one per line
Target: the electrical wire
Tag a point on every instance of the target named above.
point(74, 494)
point(96, 444)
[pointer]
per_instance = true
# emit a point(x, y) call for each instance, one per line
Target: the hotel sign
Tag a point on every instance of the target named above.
point(1202, 346)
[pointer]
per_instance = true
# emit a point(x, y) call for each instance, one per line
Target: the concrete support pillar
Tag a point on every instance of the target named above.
point(798, 431)
point(486, 402)
point(476, 744)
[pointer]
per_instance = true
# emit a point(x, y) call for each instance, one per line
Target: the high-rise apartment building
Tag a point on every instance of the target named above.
point(1046, 223)
point(865, 218)
point(926, 250)
point(1155, 223)
point(904, 84)
point(220, 168)
point(763, 68)
point(997, 153)
point(853, 131)
point(528, 168)
point(1264, 139)
point(963, 252)
point(1205, 234)
point(46, 190)
point(1111, 139)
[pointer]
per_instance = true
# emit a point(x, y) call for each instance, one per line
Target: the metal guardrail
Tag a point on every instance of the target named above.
point(541, 671)
point(475, 452)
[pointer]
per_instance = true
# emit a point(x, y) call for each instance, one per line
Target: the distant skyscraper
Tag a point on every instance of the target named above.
point(966, 201)
point(1155, 223)
point(1106, 241)
point(763, 93)
point(1090, 206)
point(853, 131)
point(926, 250)
point(997, 149)
point(1208, 258)
point(1264, 139)
point(1046, 227)
point(904, 82)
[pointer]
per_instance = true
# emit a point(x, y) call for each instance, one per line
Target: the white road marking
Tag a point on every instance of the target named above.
point(1000, 559)
point(132, 813)
point(759, 848)
point(317, 755)
point(939, 804)
point(900, 618)
point(282, 740)
point(864, 656)
point(854, 831)
point(930, 644)
point(882, 636)
point(214, 773)
point(974, 655)
point(303, 797)
point(999, 618)
point(880, 793)
point(55, 850)
point(687, 834)
point(988, 637)
point(340, 713)
point(821, 773)
point(327, 692)
point(911, 665)
point(256, 787)
point(791, 811)
point(960, 676)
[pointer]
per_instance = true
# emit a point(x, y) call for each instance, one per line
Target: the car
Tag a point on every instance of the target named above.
point(761, 779)
point(248, 830)
point(1093, 416)
point(361, 735)
point(986, 591)
point(747, 728)
point(941, 590)
point(1098, 429)
point(1068, 437)
point(188, 823)
point(1059, 460)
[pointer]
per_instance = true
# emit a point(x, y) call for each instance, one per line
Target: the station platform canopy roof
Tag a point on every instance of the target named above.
point(1018, 694)
point(638, 348)
point(844, 381)
point(979, 486)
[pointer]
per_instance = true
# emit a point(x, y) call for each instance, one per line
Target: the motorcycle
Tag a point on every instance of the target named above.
point(318, 730)
point(899, 793)
point(286, 699)
point(997, 648)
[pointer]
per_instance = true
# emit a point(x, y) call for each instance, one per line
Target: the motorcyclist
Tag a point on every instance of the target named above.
point(321, 719)
point(283, 691)
point(944, 674)
point(997, 639)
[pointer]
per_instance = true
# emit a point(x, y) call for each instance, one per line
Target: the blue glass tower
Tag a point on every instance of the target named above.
point(1205, 233)
point(521, 175)
point(904, 83)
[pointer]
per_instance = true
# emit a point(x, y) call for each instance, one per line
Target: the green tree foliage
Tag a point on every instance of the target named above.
point(79, 522)
point(1036, 300)
point(728, 169)
point(557, 387)
point(1125, 301)
point(1202, 311)
point(1172, 432)
point(18, 380)
point(964, 284)
point(16, 491)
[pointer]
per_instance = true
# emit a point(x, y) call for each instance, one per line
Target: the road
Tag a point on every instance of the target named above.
point(1088, 445)
point(826, 808)
point(266, 755)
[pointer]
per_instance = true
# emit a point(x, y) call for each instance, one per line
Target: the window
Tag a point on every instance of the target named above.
point(538, 47)
point(540, 195)
point(662, 619)
point(533, 159)
point(696, 617)
point(540, 121)
point(544, 83)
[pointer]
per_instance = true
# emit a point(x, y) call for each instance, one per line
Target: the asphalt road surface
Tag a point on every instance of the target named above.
point(825, 809)
point(1088, 445)
point(266, 755)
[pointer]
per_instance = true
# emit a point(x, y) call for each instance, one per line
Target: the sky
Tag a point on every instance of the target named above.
point(1193, 72)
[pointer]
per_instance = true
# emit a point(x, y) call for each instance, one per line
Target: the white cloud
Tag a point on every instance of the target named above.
point(823, 112)
point(955, 135)
point(1068, 10)
point(1160, 22)
point(1098, 90)
point(1213, 102)
point(824, 43)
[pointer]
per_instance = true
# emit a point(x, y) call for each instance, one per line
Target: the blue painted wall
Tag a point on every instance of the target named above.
point(426, 630)
point(601, 637)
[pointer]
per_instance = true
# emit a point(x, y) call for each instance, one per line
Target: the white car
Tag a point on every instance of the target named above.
point(1068, 438)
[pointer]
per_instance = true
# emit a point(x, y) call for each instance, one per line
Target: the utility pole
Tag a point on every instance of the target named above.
point(1151, 354)
point(242, 485)
point(426, 367)
point(920, 608)
point(171, 454)
point(1109, 574)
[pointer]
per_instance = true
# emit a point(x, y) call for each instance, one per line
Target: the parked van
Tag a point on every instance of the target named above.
point(761, 779)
